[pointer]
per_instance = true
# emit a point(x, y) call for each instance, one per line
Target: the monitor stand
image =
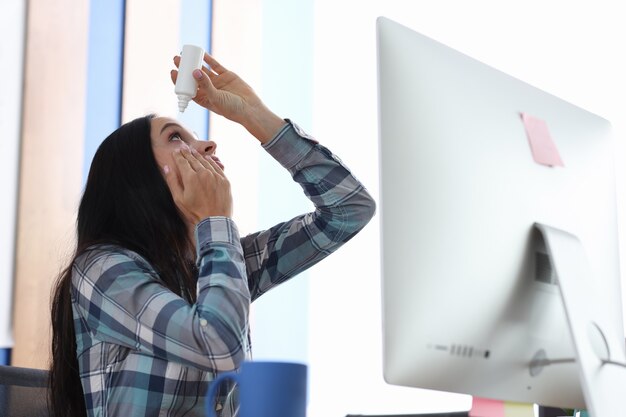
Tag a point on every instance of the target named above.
point(599, 351)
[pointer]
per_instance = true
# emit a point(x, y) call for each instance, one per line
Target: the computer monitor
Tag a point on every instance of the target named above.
point(468, 293)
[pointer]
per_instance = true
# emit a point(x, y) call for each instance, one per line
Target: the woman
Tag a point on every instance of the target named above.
point(159, 288)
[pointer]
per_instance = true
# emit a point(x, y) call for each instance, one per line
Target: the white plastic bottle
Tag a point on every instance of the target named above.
point(191, 58)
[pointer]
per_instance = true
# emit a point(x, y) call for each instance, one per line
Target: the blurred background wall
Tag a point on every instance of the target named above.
point(12, 16)
point(73, 70)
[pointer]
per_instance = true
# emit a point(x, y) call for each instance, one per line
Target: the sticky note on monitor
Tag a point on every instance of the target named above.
point(542, 146)
point(512, 409)
point(485, 407)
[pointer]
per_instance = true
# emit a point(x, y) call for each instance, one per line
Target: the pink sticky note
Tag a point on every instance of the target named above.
point(541, 144)
point(484, 407)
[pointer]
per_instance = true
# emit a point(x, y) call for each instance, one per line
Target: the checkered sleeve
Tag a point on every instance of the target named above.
point(120, 299)
point(342, 208)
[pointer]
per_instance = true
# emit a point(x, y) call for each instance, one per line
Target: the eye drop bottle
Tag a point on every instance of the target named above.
point(191, 58)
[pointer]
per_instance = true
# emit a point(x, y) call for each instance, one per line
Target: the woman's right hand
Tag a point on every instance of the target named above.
point(225, 93)
point(201, 189)
point(222, 91)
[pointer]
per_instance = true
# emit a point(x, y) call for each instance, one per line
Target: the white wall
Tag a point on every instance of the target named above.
point(572, 49)
point(280, 316)
point(11, 51)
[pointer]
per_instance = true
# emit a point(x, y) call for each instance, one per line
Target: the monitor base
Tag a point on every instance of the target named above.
point(598, 348)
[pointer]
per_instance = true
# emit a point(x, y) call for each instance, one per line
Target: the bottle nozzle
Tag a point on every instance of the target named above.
point(183, 101)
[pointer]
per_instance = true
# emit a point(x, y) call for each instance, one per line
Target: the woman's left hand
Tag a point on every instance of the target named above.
point(201, 189)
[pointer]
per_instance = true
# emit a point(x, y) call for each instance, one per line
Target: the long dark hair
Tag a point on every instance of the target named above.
point(126, 202)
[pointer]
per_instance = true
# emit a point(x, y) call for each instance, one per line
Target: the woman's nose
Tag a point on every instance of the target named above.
point(206, 147)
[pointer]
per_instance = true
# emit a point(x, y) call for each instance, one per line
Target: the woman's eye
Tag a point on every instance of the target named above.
point(175, 136)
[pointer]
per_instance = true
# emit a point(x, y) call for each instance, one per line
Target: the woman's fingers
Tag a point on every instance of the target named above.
point(203, 190)
point(213, 64)
point(204, 83)
point(184, 167)
point(193, 159)
point(198, 162)
point(207, 70)
point(174, 72)
point(206, 89)
point(218, 169)
point(211, 81)
point(202, 160)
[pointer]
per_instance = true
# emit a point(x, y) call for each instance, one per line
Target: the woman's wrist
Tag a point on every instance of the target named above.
point(262, 123)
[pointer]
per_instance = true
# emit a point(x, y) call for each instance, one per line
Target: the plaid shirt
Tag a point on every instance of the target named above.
point(144, 351)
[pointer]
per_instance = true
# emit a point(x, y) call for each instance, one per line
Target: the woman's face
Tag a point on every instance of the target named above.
point(168, 135)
